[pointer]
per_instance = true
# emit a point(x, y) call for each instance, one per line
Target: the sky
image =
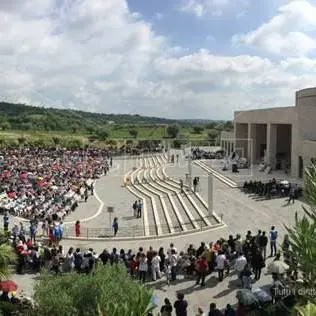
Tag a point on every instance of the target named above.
point(182, 59)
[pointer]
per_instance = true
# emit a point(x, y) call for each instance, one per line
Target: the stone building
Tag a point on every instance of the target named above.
point(284, 138)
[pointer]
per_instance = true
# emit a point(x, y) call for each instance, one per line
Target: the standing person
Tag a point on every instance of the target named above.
point(57, 231)
point(273, 241)
point(202, 268)
point(78, 260)
point(77, 229)
point(181, 305)
point(92, 188)
point(263, 242)
point(6, 220)
point(135, 208)
point(177, 156)
point(246, 277)
point(139, 209)
point(257, 264)
point(229, 311)
point(195, 183)
point(70, 260)
point(33, 231)
point(181, 185)
point(292, 195)
point(214, 311)
point(240, 264)
point(155, 266)
point(142, 268)
point(86, 194)
point(220, 262)
point(115, 226)
point(162, 257)
point(198, 184)
point(166, 309)
point(173, 263)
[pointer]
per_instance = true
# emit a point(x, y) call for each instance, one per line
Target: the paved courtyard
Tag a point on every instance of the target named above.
point(240, 213)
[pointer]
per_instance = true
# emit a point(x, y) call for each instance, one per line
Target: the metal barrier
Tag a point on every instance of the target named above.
point(138, 230)
point(131, 156)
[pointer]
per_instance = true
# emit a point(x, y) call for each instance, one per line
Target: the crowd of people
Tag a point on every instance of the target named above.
point(244, 255)
point(44, 183)
point(273, 188)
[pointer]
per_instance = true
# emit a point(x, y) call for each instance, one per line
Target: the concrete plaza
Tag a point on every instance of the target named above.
point(240, 213)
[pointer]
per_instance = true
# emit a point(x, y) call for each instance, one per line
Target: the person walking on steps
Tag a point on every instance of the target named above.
point(181, 185)
point(195, 183)
point(139, 209)
point(135, 207)
point(115, 226)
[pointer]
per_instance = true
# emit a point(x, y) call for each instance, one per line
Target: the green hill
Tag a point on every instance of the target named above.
point(27, 118)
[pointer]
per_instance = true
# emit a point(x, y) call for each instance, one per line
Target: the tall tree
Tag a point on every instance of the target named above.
point(133, 132)
point(173, 130)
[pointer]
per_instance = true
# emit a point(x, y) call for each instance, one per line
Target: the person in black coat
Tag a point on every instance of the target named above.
point(258, 264)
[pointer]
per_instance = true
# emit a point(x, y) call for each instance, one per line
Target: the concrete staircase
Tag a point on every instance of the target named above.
point(167, 210)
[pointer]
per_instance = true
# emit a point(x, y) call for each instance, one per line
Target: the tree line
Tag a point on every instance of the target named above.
point(31, 118)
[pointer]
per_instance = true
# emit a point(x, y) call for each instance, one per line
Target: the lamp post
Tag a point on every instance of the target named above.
point(210, 193)
point(190, 172)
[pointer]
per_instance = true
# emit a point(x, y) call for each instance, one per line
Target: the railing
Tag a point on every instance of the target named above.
point(135, 156)
point(137, 230)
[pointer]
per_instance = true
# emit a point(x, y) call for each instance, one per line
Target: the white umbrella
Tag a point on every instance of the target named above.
point(278, 267)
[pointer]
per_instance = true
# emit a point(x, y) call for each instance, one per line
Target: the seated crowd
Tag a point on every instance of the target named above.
point(273, 188)
point(40, 182)
point(246, 256)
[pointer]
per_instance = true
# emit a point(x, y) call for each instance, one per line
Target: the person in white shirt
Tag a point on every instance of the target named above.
point(220, 263)
point(240, 264)
point(173, 260)
point(143, 268)
point(155, 266)
point(169, 252)
point(238, 244)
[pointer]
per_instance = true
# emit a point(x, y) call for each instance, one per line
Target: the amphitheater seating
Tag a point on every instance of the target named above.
point(166, 208)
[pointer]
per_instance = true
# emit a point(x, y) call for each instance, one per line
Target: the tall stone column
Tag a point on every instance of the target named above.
point(252, 137)
point(271, 145)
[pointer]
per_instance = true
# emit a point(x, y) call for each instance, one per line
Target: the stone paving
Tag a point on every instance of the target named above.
point(111, 192)
point(240, 213)
point(251, 173)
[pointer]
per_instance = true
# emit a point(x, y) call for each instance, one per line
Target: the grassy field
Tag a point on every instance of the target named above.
point(116, 134)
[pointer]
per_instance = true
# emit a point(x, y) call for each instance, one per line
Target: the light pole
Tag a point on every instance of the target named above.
point(190, 171)
point(210, 193)
point(168, 150)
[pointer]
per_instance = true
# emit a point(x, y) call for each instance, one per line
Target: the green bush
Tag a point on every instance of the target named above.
point(109, 291)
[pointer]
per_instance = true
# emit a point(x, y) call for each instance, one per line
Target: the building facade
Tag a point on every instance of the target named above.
point(284, 138)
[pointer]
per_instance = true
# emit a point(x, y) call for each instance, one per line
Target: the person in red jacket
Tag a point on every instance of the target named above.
point(77, 228)
point(201, 268)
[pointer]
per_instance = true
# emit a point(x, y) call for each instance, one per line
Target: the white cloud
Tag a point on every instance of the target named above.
point(287, 33)
point(201, 8)
point(159, 16)
point(99, 56)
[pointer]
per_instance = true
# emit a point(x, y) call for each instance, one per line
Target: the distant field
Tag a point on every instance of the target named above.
point(114, 133)
point(117, 135)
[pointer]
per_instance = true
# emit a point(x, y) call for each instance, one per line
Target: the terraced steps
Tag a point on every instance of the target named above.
point(217, 175)
point(167, 210)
